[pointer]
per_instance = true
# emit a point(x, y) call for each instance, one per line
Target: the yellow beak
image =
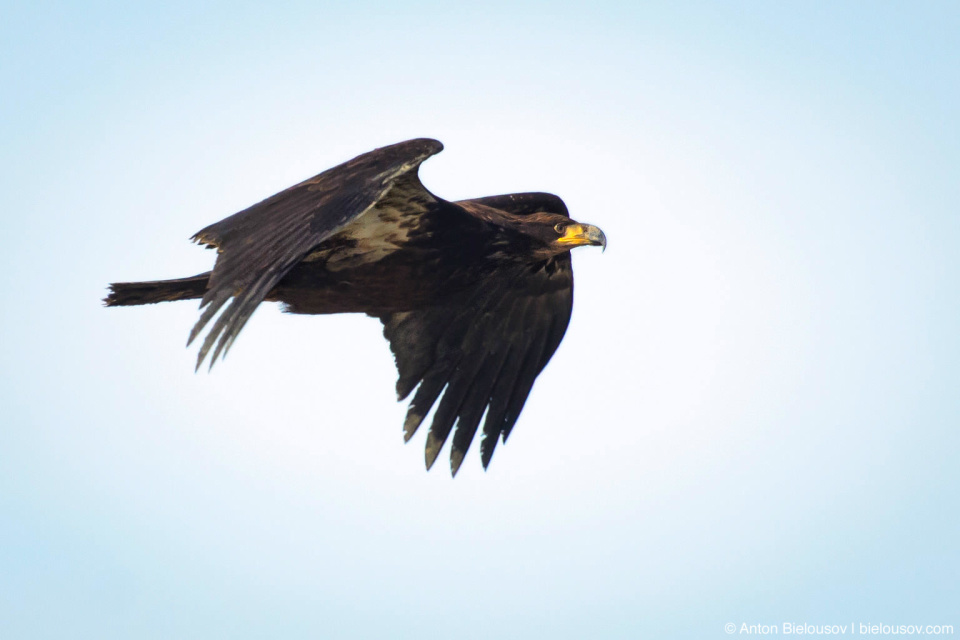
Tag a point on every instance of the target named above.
point(577, 235)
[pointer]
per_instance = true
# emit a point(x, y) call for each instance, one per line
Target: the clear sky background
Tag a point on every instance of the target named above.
point(753, 417)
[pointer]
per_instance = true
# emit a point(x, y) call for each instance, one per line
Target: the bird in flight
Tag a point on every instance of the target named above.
point(474, 295)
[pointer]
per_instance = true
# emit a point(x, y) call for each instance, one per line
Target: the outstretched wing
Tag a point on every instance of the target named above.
point(259, 245)
point(482, 349)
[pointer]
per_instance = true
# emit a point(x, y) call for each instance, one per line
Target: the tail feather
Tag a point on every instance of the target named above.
point(124, 294)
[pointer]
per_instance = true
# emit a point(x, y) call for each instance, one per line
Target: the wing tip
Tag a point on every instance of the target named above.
point(486, 451)
point(419, 148)
point(411, 423)
point(456, 459)
point(431, 145)
point(432, 451)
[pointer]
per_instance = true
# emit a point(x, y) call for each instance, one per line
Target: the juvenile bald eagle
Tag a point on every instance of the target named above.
point(474, 295)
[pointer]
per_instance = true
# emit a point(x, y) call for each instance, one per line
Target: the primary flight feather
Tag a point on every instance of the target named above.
point(474, 295)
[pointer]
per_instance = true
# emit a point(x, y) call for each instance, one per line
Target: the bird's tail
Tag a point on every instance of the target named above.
point(124, 294)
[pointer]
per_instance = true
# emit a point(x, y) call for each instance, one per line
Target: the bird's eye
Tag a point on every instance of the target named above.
point(560, 228)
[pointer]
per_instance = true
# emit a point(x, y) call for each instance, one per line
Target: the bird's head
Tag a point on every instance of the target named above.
point(560, 233)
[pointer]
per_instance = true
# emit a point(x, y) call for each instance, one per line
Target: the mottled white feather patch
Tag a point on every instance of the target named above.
point(380, 230)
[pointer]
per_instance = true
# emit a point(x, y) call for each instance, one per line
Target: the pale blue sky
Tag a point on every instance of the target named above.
point(753, 417)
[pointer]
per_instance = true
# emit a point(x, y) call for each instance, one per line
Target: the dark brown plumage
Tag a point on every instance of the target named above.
point(474, 296)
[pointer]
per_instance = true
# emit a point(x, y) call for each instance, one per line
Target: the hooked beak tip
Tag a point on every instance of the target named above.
point(597, 237)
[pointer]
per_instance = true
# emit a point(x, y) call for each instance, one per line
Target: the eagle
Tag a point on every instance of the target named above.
point(474, 295)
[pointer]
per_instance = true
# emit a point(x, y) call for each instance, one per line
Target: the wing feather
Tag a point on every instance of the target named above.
point(259, 245)
point(495, 340)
